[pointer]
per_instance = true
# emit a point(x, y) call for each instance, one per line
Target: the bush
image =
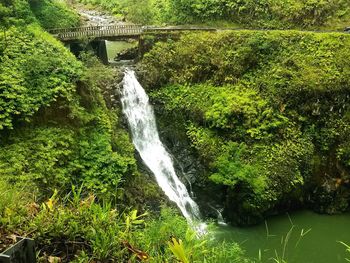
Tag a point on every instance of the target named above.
point(247, 13)
point(77, 228)
point(54, 14)
point(258, 107)
point(35, 71)
point(15, 206)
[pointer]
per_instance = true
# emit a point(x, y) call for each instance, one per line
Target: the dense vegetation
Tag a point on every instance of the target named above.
point(54, 14)
point(68, 175)
point(249, 13)
point(267, 112)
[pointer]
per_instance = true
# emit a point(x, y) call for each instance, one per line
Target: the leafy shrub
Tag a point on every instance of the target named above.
point(82, 225)
point(158, 235)
point(15, 206)
point(249, 13)
point(35, 71)
point(258, 106)
point(15, 12)
point(54, 14)
point(58, 157)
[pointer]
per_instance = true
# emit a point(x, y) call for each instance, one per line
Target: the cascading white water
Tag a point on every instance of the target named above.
point(145, 135)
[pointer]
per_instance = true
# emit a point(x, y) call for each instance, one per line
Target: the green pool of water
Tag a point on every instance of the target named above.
point(302, 237)
point(114, 47)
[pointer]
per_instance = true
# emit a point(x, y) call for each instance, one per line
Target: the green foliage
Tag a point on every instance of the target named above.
point(206, 142)
point(249, 13)
point(258, 106)
point(14, 204)
point(225, 108)
point(36, 156)
point(73, 137)
point(35, 70)
point(15, 12)
point(85, 146)
point(59, 157)
point(48, 13)
point(54, 14)
point(96, 231)
point(83, 222)
point(347, 249)
point(177, 248)
point(158, 234)
point(231, 169)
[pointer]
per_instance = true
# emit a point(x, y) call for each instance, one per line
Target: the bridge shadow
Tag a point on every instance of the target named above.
point(109, 52)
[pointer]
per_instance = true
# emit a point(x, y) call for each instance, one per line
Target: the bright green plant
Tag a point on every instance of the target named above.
point(54, 14)
point(261, 110)
point(35, 71)
point(15, 206)
point(347, 250)
point(249, 13)
point(177, 248)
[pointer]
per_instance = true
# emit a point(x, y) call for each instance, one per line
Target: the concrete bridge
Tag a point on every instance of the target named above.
point(98, 36)
point(97, 32)
point(116, 32)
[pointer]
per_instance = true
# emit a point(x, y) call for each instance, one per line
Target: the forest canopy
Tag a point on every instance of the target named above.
point(234, 13)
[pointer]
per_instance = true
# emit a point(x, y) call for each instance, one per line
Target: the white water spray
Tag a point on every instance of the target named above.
point(145, 135)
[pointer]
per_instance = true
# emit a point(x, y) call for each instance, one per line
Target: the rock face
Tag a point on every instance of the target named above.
point(268, 124)
point(127, 54)
point(330, 187)
point(209, 196)
point(97, 18)
point(326, 190)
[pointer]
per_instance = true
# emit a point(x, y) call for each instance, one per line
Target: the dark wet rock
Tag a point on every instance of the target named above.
point(189, 168)
point(97, 17)
point(332, 197)
point(127, 54)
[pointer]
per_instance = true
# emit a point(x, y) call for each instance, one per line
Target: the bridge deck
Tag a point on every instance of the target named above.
point(97, 31)
point(67, 34)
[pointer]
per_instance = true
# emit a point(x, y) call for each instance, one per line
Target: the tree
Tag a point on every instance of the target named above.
point(4, 23)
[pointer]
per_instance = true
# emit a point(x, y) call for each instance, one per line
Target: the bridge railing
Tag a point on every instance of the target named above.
point(97, 31)
point(176, 28)
point(117, 30)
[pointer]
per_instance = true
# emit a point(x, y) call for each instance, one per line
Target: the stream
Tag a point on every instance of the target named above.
point(142, 124)
point(298, 237)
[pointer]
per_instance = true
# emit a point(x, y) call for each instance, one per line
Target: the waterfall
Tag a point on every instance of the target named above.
point(145, 137)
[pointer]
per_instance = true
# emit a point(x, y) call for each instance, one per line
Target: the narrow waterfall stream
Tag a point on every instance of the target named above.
point(145, 136)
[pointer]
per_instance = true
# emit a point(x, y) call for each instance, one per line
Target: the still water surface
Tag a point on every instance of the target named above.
point(312, 239)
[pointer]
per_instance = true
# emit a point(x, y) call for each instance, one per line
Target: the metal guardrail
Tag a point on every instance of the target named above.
point(21, 252)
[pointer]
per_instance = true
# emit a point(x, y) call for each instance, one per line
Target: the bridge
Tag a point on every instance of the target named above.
point(96, 36)
point(69, 34)
point(115, 32)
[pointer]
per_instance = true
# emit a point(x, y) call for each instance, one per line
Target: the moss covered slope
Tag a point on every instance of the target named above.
point(267, 112)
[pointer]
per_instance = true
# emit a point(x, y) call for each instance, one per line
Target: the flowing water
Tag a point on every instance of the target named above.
point(145, 137)
point(302, 237)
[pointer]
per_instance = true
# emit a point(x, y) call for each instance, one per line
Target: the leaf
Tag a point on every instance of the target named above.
point(54, 259)
point(177, 248)
point(141, 255)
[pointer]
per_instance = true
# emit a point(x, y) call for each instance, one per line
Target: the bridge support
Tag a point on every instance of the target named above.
point(100, 49)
